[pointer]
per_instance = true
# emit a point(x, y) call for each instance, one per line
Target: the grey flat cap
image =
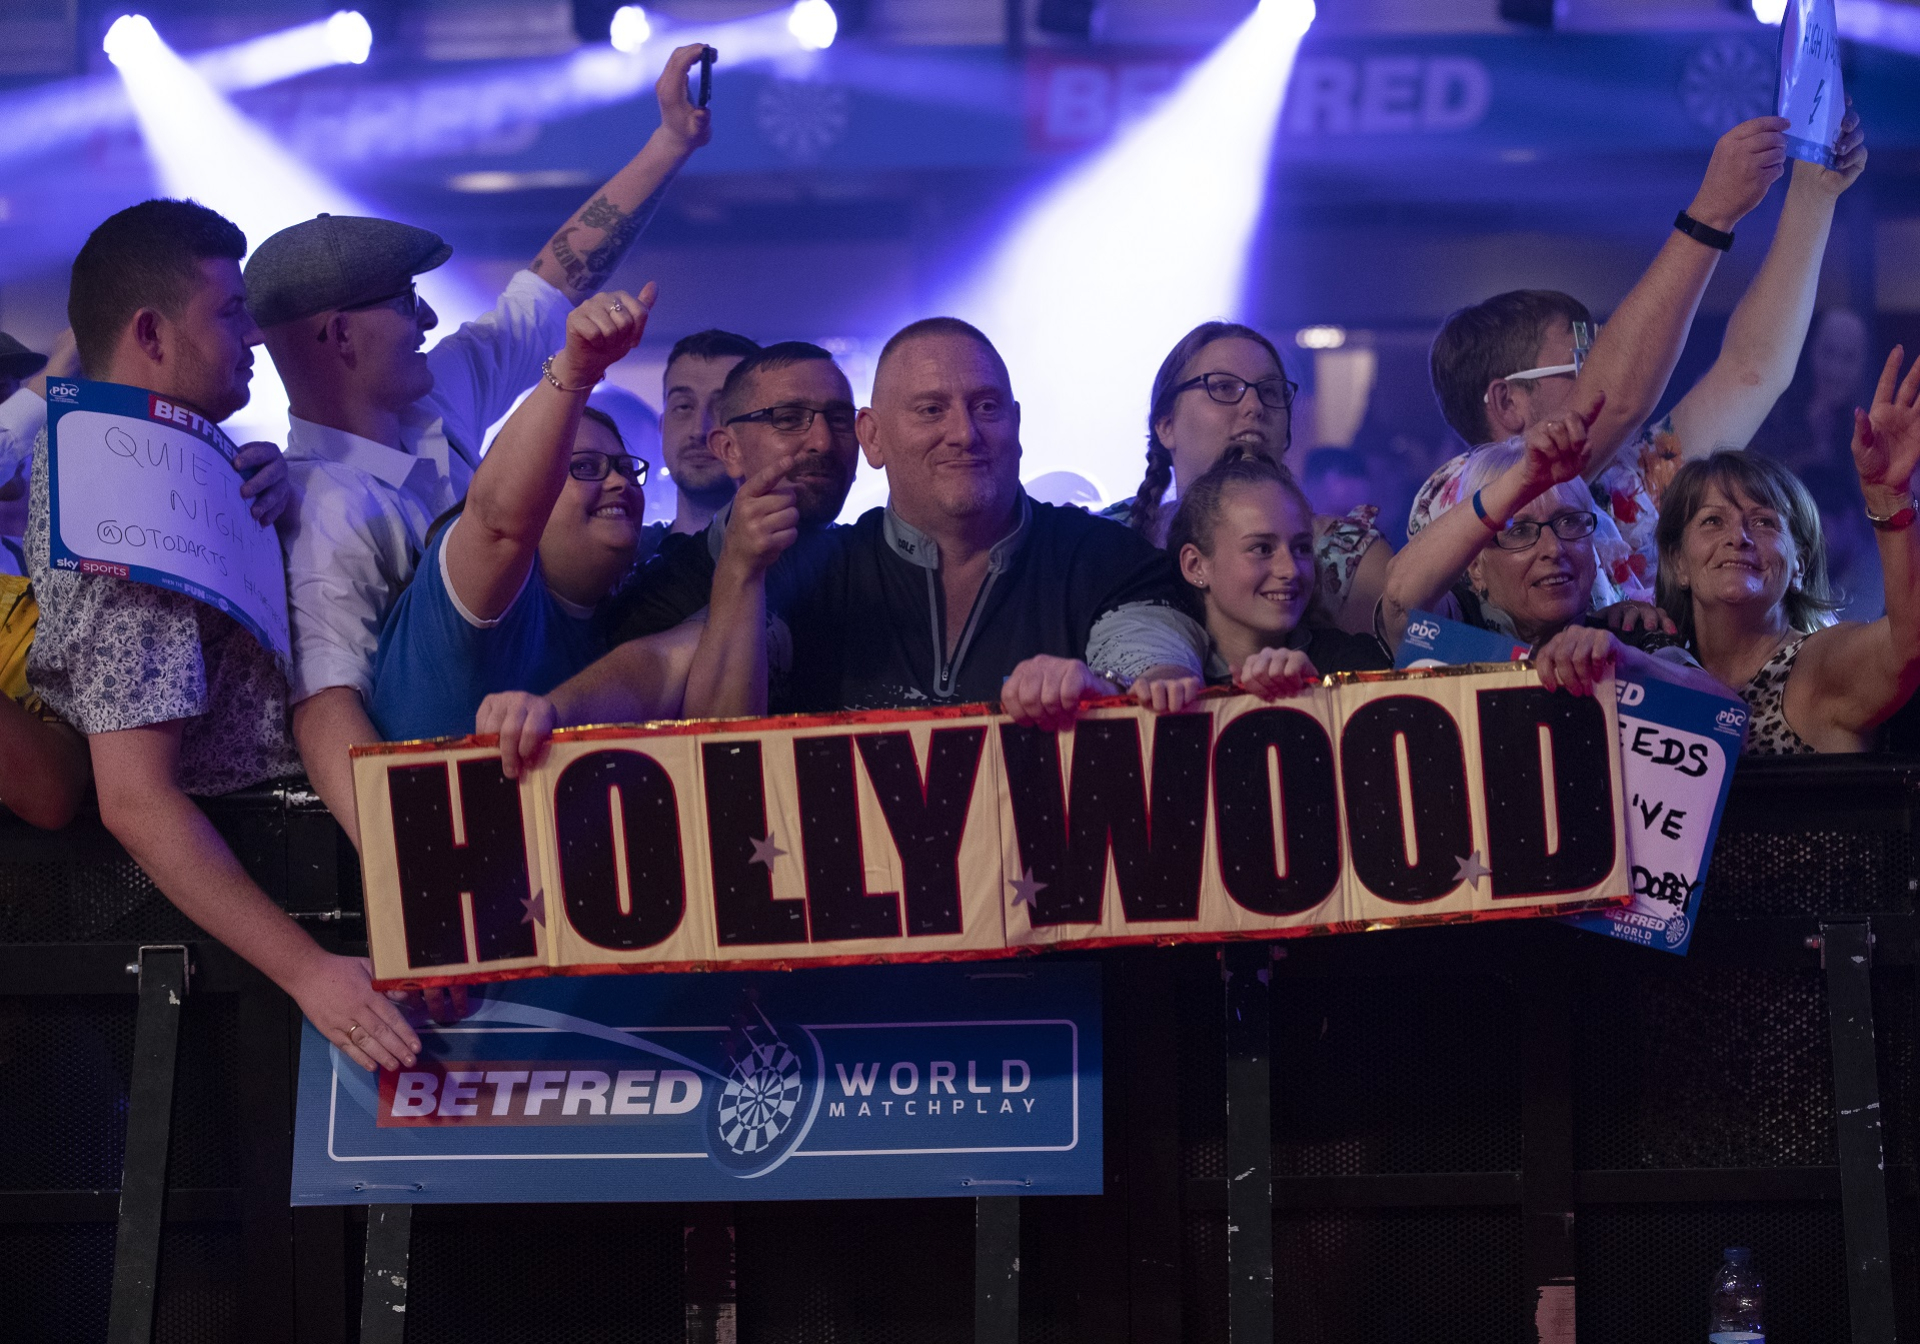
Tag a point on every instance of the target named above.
point(18, 362)
point(336, 261)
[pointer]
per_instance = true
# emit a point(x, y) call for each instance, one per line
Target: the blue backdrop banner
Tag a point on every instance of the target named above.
point(842, 1083)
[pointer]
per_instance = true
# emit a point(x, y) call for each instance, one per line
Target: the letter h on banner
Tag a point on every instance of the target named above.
point(460, 863)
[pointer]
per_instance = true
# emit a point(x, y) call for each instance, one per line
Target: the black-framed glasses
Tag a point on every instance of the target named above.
point(1230, 389)
point(794, 417)
point(407, 301)
point(591, 466)
point(1520, 536)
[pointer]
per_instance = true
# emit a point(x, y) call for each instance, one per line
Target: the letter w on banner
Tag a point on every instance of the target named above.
point(1372, 801)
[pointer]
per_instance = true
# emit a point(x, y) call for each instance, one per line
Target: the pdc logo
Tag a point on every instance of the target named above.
point(767, 1103)
point(1730, 720)
point(62, 391)
point(1423, 632)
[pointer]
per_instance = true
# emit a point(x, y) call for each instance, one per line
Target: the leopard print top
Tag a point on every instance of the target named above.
point(1768, 732)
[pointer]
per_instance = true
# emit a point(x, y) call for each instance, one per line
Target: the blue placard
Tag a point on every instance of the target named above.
point(1678, 748)
point(844, 1083)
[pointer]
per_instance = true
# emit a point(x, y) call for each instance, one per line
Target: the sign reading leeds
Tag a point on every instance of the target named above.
point(144, 489)
point(869, 1081)
point(1388, 798)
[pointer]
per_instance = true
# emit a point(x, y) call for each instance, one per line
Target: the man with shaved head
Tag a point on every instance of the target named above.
point(962, 578)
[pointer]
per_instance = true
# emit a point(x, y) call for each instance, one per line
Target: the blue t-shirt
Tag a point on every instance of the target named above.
point(437, 661)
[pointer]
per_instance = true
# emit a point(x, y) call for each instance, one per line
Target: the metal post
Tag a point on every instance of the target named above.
point(1247, 970)
point(996, 1269)
point(383, 1292)
point(1846, 954)
point(1546, 1175)
point(143, 1181)
point(707, 1250)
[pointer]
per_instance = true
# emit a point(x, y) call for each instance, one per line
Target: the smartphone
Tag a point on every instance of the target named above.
point(707, 57)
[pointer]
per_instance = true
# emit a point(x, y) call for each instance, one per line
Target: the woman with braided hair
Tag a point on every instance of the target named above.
point(1222, 393)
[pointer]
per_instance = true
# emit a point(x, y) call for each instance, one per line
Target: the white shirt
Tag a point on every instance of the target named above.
point(364, 508)
point(22, 416)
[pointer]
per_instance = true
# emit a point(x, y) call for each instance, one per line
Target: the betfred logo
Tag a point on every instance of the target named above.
point(167, 412)
point(532, 1092)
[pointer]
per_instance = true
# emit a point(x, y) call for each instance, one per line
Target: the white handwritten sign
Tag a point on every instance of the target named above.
point(1810, 95)
point(143, 489)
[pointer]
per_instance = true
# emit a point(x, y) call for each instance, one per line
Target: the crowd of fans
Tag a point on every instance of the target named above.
point(436, 591)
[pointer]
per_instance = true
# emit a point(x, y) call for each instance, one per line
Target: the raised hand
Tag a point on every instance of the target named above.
point(1277, 673)
point(1886, 440)
point(601, 332)
point(1746, 161)
point(688, 126)
point(267, 486)
point(337, 995)
point(1850, 158)
point(524, 722)
point(1046, 692)
point(1557, 449)
point(1623, 617)
point(765, 521)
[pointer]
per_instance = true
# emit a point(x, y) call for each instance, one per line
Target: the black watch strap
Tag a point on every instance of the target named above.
point(1702, 233)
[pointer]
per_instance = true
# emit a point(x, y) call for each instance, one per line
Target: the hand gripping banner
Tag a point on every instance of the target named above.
point(1375, 800)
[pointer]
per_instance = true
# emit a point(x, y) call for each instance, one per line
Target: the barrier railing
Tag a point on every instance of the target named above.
point(1452, 1133)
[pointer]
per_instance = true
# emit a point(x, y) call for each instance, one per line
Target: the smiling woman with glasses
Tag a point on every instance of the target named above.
point(1223, 393)
point(1520, 551)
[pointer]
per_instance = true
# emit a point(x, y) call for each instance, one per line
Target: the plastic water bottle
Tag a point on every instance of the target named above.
point(1739, 1301)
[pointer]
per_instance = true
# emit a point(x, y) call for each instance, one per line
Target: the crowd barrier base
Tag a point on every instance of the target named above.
point(1483, 1133)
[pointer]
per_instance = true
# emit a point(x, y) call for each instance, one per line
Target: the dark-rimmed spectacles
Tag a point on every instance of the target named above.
point(595, 466)
point(1230, 389)
point(795, 417)
point(407, 301)
point(1521, 536)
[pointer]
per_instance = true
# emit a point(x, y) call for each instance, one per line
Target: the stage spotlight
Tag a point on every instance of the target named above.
point(1320, 338)
point(629, 30)
point(130, 38)
point(1770, 11)
point(349, 37)
point(1095, 281)
point(813, 24)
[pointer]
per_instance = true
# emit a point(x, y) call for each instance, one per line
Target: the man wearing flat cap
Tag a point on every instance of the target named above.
point(385, 437)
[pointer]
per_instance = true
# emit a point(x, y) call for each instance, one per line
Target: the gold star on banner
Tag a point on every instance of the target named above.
point(766, 851)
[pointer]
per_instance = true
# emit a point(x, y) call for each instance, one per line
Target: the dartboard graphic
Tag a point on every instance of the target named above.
point(1727, 81)
point(768, 1102)
point(802, 119)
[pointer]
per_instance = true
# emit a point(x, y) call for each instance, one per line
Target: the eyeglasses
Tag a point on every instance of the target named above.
point(1582, 342)
point(1230, 390)
point(795, 417)
point(595, 466)
point(407, 301)
point(1521, 536)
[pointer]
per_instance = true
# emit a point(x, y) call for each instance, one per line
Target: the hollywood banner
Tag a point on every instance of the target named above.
point(1381, 800)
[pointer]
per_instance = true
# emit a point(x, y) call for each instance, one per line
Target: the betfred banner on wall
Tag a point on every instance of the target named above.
point(1379, 800)
point(868, 1082)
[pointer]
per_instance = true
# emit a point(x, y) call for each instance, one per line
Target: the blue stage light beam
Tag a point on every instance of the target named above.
point(1093, 284)
point(202, 147)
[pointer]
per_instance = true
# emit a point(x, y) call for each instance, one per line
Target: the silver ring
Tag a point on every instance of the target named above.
point(616, 307)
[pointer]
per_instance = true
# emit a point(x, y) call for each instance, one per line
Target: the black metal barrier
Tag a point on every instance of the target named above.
point(1465, 1133)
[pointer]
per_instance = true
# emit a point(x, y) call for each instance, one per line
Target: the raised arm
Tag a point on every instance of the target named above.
point(1634, 353)
point(1436, 558)
point(578, 259)
point(1769, 326)
point(492, 549)
point(728, 678)
point(1855, 676)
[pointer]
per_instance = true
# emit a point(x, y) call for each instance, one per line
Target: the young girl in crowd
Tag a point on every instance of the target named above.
point(1243, 537)
point(1221, 390)
point(1743, 573)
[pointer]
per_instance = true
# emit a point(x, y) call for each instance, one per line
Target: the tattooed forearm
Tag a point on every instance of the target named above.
point(590, 245)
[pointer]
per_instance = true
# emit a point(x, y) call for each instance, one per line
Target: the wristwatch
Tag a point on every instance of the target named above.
point(1702, 233)
point(1898, 520)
